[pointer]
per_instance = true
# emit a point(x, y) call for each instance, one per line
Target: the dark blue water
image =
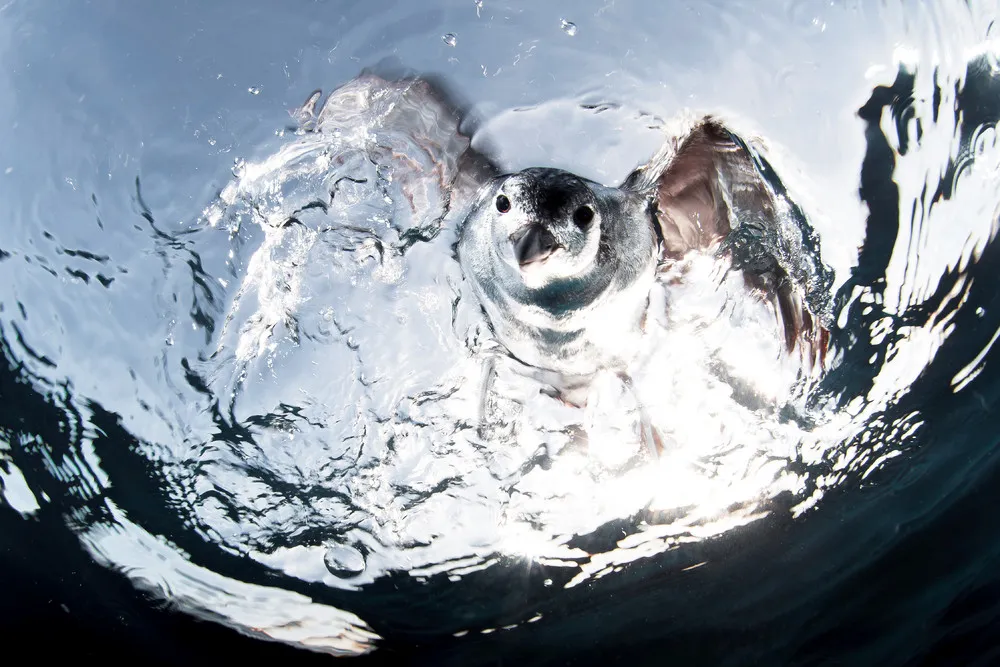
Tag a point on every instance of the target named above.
point(170, 498)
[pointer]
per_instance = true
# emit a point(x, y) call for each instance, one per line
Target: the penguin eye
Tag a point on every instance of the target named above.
point(503, 204)
point(582, 216)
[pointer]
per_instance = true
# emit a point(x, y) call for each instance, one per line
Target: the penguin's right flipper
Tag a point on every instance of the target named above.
point(414, 133)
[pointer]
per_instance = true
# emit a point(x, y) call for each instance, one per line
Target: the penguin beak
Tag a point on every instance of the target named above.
point(532, 243)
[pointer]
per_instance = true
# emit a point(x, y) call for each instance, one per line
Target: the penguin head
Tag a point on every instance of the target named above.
point(547, 224)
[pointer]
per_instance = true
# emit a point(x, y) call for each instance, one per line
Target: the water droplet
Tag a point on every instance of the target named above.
point(980, 311)
point(344, 561)
point(568, 27)
point(451, 39)
point(254, 90)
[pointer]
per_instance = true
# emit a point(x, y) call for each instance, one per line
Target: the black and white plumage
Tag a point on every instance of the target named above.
point(562, 267)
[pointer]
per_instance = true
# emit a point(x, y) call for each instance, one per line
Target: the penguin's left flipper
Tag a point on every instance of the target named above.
point(713, 190)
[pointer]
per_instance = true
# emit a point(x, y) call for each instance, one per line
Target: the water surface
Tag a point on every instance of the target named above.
point(271, 426)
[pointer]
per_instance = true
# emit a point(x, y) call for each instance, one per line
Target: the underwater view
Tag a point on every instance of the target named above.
point(475, 333)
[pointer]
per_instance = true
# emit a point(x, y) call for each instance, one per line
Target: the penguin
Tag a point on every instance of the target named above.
point(563, 266)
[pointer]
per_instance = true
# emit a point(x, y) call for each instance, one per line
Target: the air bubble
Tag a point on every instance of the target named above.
point(451, 39)
point(254, 90)
point(568, 27)
point(344, 561)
